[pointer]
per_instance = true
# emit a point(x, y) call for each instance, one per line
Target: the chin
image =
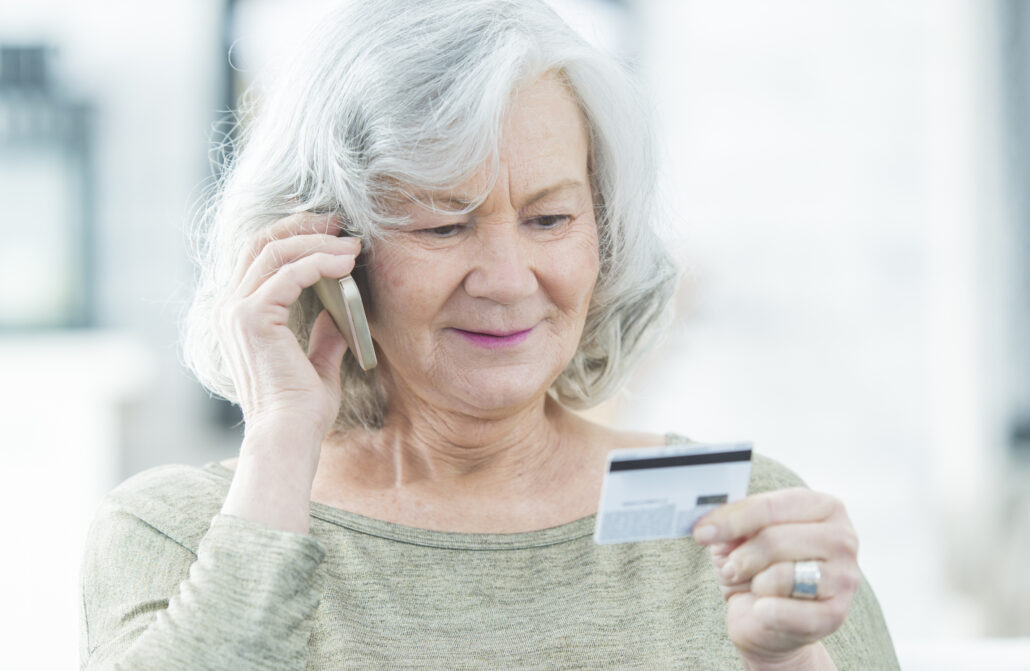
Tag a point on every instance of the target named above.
point(494, 396)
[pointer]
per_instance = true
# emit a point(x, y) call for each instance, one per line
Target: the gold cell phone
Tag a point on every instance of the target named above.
point(343, 301)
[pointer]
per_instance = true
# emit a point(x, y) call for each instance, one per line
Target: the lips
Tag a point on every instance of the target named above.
point(496, 334)
point(489, 339)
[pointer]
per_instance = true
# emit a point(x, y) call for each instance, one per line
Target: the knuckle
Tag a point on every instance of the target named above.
point(846, 543)
point(849, 581)
point(270, 250)
point(748, 558)
point(766, 583)
point(327, 257)
point(742, 562)
point(328, 263)
point(753, 554)
point(739, 558)
point(851, 543)
point(292, 272)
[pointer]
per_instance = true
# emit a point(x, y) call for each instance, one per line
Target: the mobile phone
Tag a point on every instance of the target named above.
point(343, 301)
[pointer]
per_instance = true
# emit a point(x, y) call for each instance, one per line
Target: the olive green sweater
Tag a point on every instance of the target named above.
point(170, 583)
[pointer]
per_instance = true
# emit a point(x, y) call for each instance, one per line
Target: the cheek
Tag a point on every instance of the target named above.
point(387, 285)
point(577, 265)
point(404, 289)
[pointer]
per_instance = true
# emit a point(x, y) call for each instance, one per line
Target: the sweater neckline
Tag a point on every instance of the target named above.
point(456, 540)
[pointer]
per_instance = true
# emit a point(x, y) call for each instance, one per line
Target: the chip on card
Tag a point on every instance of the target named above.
point(661, 492)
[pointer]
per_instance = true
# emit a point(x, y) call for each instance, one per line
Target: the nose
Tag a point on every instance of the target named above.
point(502, 267)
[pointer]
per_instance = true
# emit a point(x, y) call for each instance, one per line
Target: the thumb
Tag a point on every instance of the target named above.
point(326, 347)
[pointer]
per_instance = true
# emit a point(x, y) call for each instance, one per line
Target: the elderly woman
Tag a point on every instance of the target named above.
point(486, 177)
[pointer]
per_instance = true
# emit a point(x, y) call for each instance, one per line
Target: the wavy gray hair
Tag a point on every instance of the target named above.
point(397, 97)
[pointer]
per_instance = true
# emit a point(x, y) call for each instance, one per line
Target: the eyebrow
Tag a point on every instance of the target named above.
point(462, 202)
point(548, 190)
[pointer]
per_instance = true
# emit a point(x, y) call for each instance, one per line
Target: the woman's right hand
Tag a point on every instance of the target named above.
point(289, 397)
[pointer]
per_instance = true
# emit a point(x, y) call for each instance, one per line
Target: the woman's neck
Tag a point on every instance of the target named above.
point(532, 469)
point(425, 446)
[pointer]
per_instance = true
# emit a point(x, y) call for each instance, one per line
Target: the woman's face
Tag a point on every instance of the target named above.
point(479, 313)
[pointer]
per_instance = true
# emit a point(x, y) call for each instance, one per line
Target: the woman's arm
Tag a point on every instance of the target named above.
point(245, 600)
point(289, 397)
point(248, 599)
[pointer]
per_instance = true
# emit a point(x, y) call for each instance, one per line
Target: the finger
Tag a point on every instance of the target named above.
point(326, 348)
point(301, 223)
point(789, 542)
point(278, 253)
point(285, 286)
point(720, 554)
point(736, 588)
point(777, 580)
point(723, 550)
point(746, 517)
point(807, 621)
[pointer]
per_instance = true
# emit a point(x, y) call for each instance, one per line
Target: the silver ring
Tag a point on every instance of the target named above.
point(806, 579)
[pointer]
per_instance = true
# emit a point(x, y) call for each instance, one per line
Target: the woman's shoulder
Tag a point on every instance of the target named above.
point(176, 499)
point(767, 474)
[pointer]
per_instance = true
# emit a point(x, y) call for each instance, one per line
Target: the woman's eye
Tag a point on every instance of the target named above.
point(550, 220)
point(443, 231)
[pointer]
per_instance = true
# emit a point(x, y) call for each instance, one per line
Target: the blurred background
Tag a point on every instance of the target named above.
point(845, 183)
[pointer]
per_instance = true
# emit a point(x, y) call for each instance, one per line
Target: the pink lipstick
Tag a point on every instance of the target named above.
point(494, 339)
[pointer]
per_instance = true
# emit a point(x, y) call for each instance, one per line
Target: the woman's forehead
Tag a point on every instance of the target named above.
point(543, 152)
point(544, 121)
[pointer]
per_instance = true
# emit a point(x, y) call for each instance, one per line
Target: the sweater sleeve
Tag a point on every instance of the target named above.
point(245, 599)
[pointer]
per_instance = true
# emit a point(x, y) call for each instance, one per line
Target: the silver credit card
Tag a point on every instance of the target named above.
point(661, 492)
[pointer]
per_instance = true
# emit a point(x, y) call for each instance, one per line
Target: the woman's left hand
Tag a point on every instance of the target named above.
point(754, 545)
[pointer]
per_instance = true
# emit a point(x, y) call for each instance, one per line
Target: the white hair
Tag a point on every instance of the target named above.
point(398, 97)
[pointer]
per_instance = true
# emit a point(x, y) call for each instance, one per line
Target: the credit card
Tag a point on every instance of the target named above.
point(661, 492)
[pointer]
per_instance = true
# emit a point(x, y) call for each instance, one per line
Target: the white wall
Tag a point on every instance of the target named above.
point(83, 410)
point(832, 173)
point(151, 72)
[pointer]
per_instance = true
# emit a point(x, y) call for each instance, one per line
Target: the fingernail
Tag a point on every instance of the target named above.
point(705, 534)
point(729, 571)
